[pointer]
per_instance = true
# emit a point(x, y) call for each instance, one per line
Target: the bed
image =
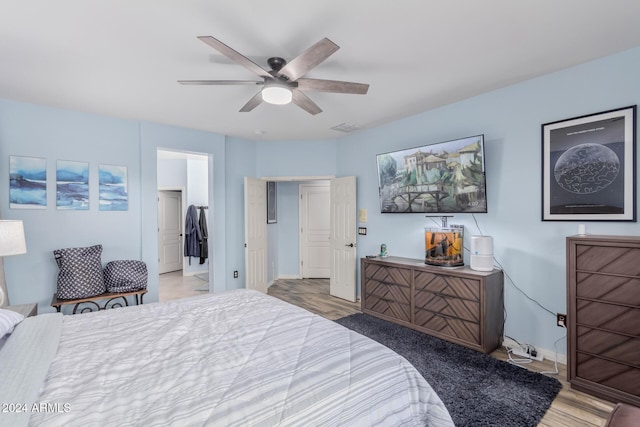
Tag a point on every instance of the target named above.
point(239, 358)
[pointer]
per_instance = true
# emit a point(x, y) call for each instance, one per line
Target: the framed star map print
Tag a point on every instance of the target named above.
point(589, 167)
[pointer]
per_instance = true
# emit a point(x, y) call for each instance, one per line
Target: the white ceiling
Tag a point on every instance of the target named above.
point(123, 57)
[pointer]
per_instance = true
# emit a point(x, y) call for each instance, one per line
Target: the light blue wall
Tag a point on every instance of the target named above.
point(291, 159)
point(288, 226)
point(296, 158)
point(153, 137)
point(273, 251)
point(531, 251)
point(172, 173)
point(55, 134)
point(241, 161)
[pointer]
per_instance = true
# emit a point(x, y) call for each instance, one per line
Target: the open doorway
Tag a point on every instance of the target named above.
point(283, 240)
point(182, 182)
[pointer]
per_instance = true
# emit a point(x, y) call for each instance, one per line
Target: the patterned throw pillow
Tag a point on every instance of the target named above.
point(80, 274)
point(125, 275)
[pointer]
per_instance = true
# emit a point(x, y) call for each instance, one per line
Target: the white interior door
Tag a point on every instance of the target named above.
point(169, 231)
point(314, 230)
point(342, 283)
point(255, 232)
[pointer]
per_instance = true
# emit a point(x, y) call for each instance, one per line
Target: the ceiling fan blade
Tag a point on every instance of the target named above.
point(335, 86)
point(219, 82)
point(308, 59)
point(253, 103)
point(304, 102)
point(235, 56)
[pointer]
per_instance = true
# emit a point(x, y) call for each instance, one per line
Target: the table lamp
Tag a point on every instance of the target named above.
point(11, 243)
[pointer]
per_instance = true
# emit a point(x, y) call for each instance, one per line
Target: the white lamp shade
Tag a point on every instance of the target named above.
point(12, 238)
point(278, 95)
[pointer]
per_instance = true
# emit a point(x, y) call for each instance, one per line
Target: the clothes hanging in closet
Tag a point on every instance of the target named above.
point(192, 235)
point(204, 236)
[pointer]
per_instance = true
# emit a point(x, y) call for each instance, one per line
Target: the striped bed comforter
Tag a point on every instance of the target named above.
point(240, 358)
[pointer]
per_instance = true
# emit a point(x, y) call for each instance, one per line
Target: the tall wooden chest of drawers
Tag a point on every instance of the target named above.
point(456, 304)
point(603, 324)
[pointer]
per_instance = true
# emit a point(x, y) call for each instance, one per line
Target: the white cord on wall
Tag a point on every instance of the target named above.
point(528, 346)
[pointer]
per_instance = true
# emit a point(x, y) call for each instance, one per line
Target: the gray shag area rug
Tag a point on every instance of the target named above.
point(477, 389)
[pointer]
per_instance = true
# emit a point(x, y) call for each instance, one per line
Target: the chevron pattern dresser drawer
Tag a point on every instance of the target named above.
point(453, 286)
point(609, 374)
point(388, 291)
point(603, 323)
point(456, 308)
point(609, 317)
point(608, 288)
point(449, 305)
point(464, 332)
point(610, 346)
point(458, 305)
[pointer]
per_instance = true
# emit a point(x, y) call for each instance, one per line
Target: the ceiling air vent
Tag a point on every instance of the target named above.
point(345, 127)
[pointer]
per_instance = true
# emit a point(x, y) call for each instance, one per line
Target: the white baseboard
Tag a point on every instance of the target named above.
point(547, 354)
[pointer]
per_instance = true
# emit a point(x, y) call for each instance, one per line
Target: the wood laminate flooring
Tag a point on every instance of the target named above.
point(569, 409)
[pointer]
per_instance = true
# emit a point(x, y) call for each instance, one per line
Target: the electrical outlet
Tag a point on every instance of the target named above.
point(235, 274)
point(561, 320)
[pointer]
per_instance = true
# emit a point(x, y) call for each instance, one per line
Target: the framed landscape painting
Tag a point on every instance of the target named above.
point(589, 167)
point(27, 182)
point(72, 185)
point(113, 188)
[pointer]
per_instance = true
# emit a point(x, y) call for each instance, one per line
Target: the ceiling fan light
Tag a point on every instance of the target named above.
point(277, 95)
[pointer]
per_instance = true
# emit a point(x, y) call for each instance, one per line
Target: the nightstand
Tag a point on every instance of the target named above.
point(27, 310)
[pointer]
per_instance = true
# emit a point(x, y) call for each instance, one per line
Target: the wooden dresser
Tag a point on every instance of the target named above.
point(603, 316)
point(456, 304)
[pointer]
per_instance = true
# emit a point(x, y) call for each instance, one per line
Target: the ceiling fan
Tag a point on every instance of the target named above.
point(284, 82)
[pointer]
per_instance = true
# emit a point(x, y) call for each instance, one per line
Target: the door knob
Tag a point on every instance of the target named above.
point(350, 245)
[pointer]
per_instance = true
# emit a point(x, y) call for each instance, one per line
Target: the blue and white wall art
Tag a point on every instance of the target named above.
point(27, 182)
point(113, 188)
point(72, 185)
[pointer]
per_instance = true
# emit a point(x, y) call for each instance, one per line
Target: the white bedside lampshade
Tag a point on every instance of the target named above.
point(12, 238)
point(11, 243)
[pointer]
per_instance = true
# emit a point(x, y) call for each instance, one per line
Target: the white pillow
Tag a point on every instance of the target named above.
point(8, 319)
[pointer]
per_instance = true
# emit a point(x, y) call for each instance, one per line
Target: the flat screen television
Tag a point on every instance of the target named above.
point(447, 177)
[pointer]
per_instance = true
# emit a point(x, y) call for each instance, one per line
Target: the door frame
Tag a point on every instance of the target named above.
point(213, 259)
point(182, 215)
point(301, 179)
point(307, 178)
